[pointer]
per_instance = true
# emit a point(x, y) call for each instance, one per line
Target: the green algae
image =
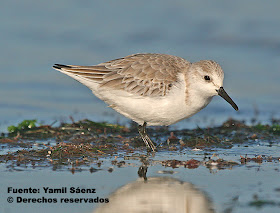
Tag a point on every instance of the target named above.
point(23, 126)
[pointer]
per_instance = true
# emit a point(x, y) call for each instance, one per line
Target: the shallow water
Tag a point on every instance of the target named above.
point(244, 42)
point(233, 187)
point(243, 37)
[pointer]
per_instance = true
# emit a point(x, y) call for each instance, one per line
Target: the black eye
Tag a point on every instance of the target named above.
point(207, 78)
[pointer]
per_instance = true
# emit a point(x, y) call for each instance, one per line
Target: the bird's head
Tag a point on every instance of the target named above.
point(208, 77)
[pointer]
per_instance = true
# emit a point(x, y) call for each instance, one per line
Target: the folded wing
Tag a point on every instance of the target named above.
point(141, 74)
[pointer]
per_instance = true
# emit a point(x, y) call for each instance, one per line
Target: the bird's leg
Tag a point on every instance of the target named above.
point(141, 132)
point(148, 138)
point(149, 143)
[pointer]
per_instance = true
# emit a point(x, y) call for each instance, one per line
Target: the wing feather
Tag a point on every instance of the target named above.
point(142, 74)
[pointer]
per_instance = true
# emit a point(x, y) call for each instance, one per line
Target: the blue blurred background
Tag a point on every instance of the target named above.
point(243, 36)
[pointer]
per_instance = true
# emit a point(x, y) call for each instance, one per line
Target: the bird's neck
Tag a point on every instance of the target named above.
point(196, 100)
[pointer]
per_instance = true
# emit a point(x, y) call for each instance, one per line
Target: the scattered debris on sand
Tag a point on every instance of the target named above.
point(85, 142)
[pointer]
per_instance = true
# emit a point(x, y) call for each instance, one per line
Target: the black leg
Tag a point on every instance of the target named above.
point(149, 143)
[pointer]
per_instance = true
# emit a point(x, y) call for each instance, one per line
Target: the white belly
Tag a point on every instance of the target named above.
point(154, 111)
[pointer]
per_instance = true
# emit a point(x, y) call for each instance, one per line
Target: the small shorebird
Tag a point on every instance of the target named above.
point(152, 89)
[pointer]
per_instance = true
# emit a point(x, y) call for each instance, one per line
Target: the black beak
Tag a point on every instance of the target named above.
point(224, 95)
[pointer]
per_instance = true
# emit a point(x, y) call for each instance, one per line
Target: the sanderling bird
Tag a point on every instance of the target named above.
point(152, 89)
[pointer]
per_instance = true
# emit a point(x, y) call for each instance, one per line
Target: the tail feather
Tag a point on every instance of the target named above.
point(60, 66)
point(82, 73)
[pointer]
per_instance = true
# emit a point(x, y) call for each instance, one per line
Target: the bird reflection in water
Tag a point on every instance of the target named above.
point(157, 195)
